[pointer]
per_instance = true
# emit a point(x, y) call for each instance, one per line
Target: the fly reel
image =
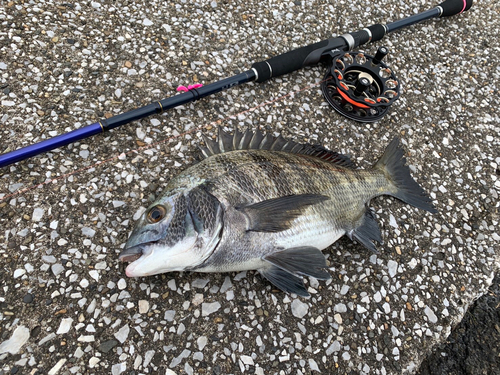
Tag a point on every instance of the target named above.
point(359, 86)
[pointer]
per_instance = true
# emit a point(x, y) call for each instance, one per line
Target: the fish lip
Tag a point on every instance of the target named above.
point(131, 254)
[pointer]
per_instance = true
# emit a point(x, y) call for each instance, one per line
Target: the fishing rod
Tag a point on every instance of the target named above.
point(358, 86)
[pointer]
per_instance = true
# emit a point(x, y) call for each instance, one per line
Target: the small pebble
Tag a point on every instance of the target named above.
point(299, 308)
point(209, 308)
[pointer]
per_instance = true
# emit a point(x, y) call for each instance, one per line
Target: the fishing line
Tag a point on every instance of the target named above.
point(158, 143)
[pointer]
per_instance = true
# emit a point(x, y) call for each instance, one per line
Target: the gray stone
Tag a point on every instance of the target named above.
point(108, 345)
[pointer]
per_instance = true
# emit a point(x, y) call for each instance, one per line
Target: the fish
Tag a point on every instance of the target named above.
point(260, 202)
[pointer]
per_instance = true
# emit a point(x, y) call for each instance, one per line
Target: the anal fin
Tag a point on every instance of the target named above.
point(289, 265)
point(300, 261)
point(285, 280)
point(367, 231)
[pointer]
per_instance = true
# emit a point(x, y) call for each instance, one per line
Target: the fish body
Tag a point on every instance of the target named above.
point(261, 203)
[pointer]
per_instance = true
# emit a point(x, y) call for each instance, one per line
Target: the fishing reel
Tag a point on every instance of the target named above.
point(359, 86)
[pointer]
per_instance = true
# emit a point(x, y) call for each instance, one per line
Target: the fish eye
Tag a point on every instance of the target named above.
point(156, 214)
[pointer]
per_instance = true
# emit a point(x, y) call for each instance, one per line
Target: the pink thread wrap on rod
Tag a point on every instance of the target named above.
point(189, 88)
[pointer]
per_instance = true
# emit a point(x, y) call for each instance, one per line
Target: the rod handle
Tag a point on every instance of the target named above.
point(296, 59)
point(452, 7)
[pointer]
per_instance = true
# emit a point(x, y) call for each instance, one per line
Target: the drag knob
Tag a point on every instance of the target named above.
point(361, 86)
point(381, 53)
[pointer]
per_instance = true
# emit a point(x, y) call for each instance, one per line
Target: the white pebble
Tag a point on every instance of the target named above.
point(93, 361)
point(338, 318)
point(340, 307)
point(313, 365)
point(147, 22)
point(202, 342)
point(430, 315)
point(17, 340)
point(169, 315)
point(65, 326)
point(171, 284)
point(57, 269)
point(122, 284)
point(62, 242)
point(19, 272)
point(122, 333)
point(335, 347)
point(392, 221)
point(148, 357)
point(247, 360)
point(94, 274)
point(226, 285)
point(200, 283)
point(86, 338)
point(118, 368)
point(393, 268)
point(143, 306)
point(209, 308)
point(299, 308)
point(38, 214)
point(140, 133)
point(54, 370)
point(89, 232)
point(360, 309)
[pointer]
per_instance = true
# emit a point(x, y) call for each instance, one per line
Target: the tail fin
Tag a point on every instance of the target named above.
point(393, 163)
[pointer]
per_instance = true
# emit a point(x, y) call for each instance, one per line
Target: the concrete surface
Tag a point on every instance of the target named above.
point(66, 306)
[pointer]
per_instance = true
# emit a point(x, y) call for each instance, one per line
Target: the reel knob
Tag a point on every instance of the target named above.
point(360, 86)
point(381, 53)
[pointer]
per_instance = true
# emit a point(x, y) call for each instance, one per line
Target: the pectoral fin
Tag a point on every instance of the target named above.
point(287, 267)
point(367, 231)
point(277, 214)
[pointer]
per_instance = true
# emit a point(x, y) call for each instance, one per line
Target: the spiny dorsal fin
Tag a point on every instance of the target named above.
point(255, 140)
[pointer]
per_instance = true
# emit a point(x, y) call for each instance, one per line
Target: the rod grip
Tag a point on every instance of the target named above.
point(296, 59)
point(452, 7)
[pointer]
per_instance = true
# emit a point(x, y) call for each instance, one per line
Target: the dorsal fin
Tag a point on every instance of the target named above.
point(255, 140)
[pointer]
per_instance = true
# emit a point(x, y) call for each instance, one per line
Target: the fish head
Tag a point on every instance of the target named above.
point(175, 233)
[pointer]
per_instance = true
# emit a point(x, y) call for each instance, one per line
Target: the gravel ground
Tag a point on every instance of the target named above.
point(66, 306)
point(472, 347)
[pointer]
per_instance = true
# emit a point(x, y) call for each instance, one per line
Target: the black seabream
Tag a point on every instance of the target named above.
point(259, 202)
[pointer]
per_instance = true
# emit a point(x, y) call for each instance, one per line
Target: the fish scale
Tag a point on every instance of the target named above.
point(264, 203)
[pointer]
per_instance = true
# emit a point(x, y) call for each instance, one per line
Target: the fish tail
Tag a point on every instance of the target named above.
point(393, 164)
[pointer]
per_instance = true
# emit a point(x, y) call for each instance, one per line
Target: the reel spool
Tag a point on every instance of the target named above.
point(360, 86)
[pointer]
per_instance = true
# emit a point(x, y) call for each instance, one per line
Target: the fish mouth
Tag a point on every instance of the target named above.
point(131, 254)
